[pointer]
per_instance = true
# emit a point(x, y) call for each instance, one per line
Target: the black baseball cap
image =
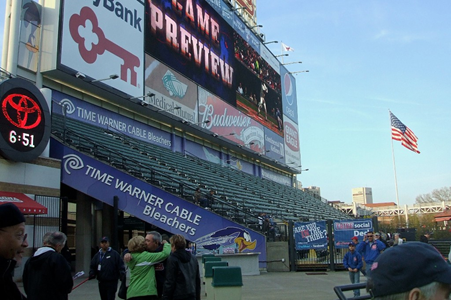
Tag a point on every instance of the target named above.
point(104, 239)
point(402, 268)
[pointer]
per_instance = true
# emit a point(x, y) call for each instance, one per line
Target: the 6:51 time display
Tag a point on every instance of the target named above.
point(26, 138)
point(24, 120)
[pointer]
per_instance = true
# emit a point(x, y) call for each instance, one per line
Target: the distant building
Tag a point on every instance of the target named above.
point(313, 190)
point(363, 195)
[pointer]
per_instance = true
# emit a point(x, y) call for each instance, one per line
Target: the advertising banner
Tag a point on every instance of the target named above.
point(97, 116)
point(344, 230)
point(240, 165)
point(289, 98)
point(274, 146)
point(276, 177)
point(193, 39)
point(202, 152)
point(292, 149)
point(310, 235)
point(170, 90)
point(229, 122)
point(209, 231)
point(30, 35)
point(103, 38)
point(243, 32)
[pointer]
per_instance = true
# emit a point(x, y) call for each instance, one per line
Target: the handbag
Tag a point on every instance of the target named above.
point(122, 293)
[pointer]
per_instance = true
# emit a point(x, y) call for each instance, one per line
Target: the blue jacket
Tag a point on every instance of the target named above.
point(370, 252)
point(353, 260)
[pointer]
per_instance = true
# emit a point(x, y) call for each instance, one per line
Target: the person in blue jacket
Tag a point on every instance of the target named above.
point(370, 249)
point(353, 263)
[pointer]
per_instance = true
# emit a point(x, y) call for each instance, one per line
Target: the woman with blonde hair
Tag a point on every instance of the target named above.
point(143, 284)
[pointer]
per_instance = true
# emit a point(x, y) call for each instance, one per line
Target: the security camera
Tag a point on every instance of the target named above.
point(80, 75)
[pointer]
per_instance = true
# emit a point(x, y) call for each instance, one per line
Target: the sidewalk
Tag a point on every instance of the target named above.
point(267, 286)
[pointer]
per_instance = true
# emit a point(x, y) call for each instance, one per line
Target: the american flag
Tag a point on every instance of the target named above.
point(400, 132)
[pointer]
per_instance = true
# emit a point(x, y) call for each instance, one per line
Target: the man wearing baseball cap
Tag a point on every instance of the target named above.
point(108, 267)
point(413, 271)
point(13, 241)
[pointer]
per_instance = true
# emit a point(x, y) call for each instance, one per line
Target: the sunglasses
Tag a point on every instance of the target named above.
point(369, 235)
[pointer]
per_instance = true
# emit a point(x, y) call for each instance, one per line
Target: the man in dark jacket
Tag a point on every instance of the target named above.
point(108, 267)
point(13, 240)
point(48, 270)
point(182, 272)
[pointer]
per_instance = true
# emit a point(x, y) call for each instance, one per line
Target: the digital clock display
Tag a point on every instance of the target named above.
point(24, 120)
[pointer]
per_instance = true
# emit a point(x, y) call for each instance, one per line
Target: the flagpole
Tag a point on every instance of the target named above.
point(281, 50)
point(394, 169)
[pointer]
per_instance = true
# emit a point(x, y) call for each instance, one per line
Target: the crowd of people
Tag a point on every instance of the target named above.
point(162, 270)
point(368, 257)
point(158, 269)
point(254, 62)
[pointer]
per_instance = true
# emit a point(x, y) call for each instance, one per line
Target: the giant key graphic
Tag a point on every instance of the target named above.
point(130, 61)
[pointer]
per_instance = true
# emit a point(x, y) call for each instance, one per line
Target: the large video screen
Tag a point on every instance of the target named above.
point(192, 38)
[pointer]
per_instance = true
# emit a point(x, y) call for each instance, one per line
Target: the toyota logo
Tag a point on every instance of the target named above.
point(21, 111)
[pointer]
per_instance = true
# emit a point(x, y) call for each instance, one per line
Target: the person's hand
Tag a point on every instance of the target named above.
point(91, 277)
point(128, 257)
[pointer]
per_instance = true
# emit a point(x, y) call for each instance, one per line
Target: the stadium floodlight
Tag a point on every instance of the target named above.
point(218, 135)
point(149, 94)
point(290, 63)
point(171, 108)
point(111, 77)
point(238, 8)
point(280, 55)
point(270, 42)
point(305, 71)
point(198, 123)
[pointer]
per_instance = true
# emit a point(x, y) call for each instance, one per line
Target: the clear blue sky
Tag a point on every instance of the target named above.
point(364, 58)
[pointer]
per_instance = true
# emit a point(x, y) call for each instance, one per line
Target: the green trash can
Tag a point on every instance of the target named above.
point(204, 256)
point(227, 283)
point(208, 276)
point(208, 258)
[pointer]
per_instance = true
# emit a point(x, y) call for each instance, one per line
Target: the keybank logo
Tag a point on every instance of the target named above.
point(129, 16)
point(174, 86)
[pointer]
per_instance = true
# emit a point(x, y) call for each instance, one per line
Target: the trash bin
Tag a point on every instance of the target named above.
point(208, 258)
point(208, 276)
point(227, 283)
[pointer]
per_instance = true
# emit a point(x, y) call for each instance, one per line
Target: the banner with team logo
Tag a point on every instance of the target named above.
point(310, 235)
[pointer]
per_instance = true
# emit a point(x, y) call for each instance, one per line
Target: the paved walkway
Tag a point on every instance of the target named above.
point(285, 285)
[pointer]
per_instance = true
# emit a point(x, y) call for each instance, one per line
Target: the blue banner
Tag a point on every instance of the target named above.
point(310, 235)
point(344, 230)
point(97, 116)
point(208, 230)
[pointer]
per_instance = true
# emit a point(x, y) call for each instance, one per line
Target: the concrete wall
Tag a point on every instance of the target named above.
point(277, 257)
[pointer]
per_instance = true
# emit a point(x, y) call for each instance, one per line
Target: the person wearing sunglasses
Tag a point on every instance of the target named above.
point(13, 241)
point(370, 249)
